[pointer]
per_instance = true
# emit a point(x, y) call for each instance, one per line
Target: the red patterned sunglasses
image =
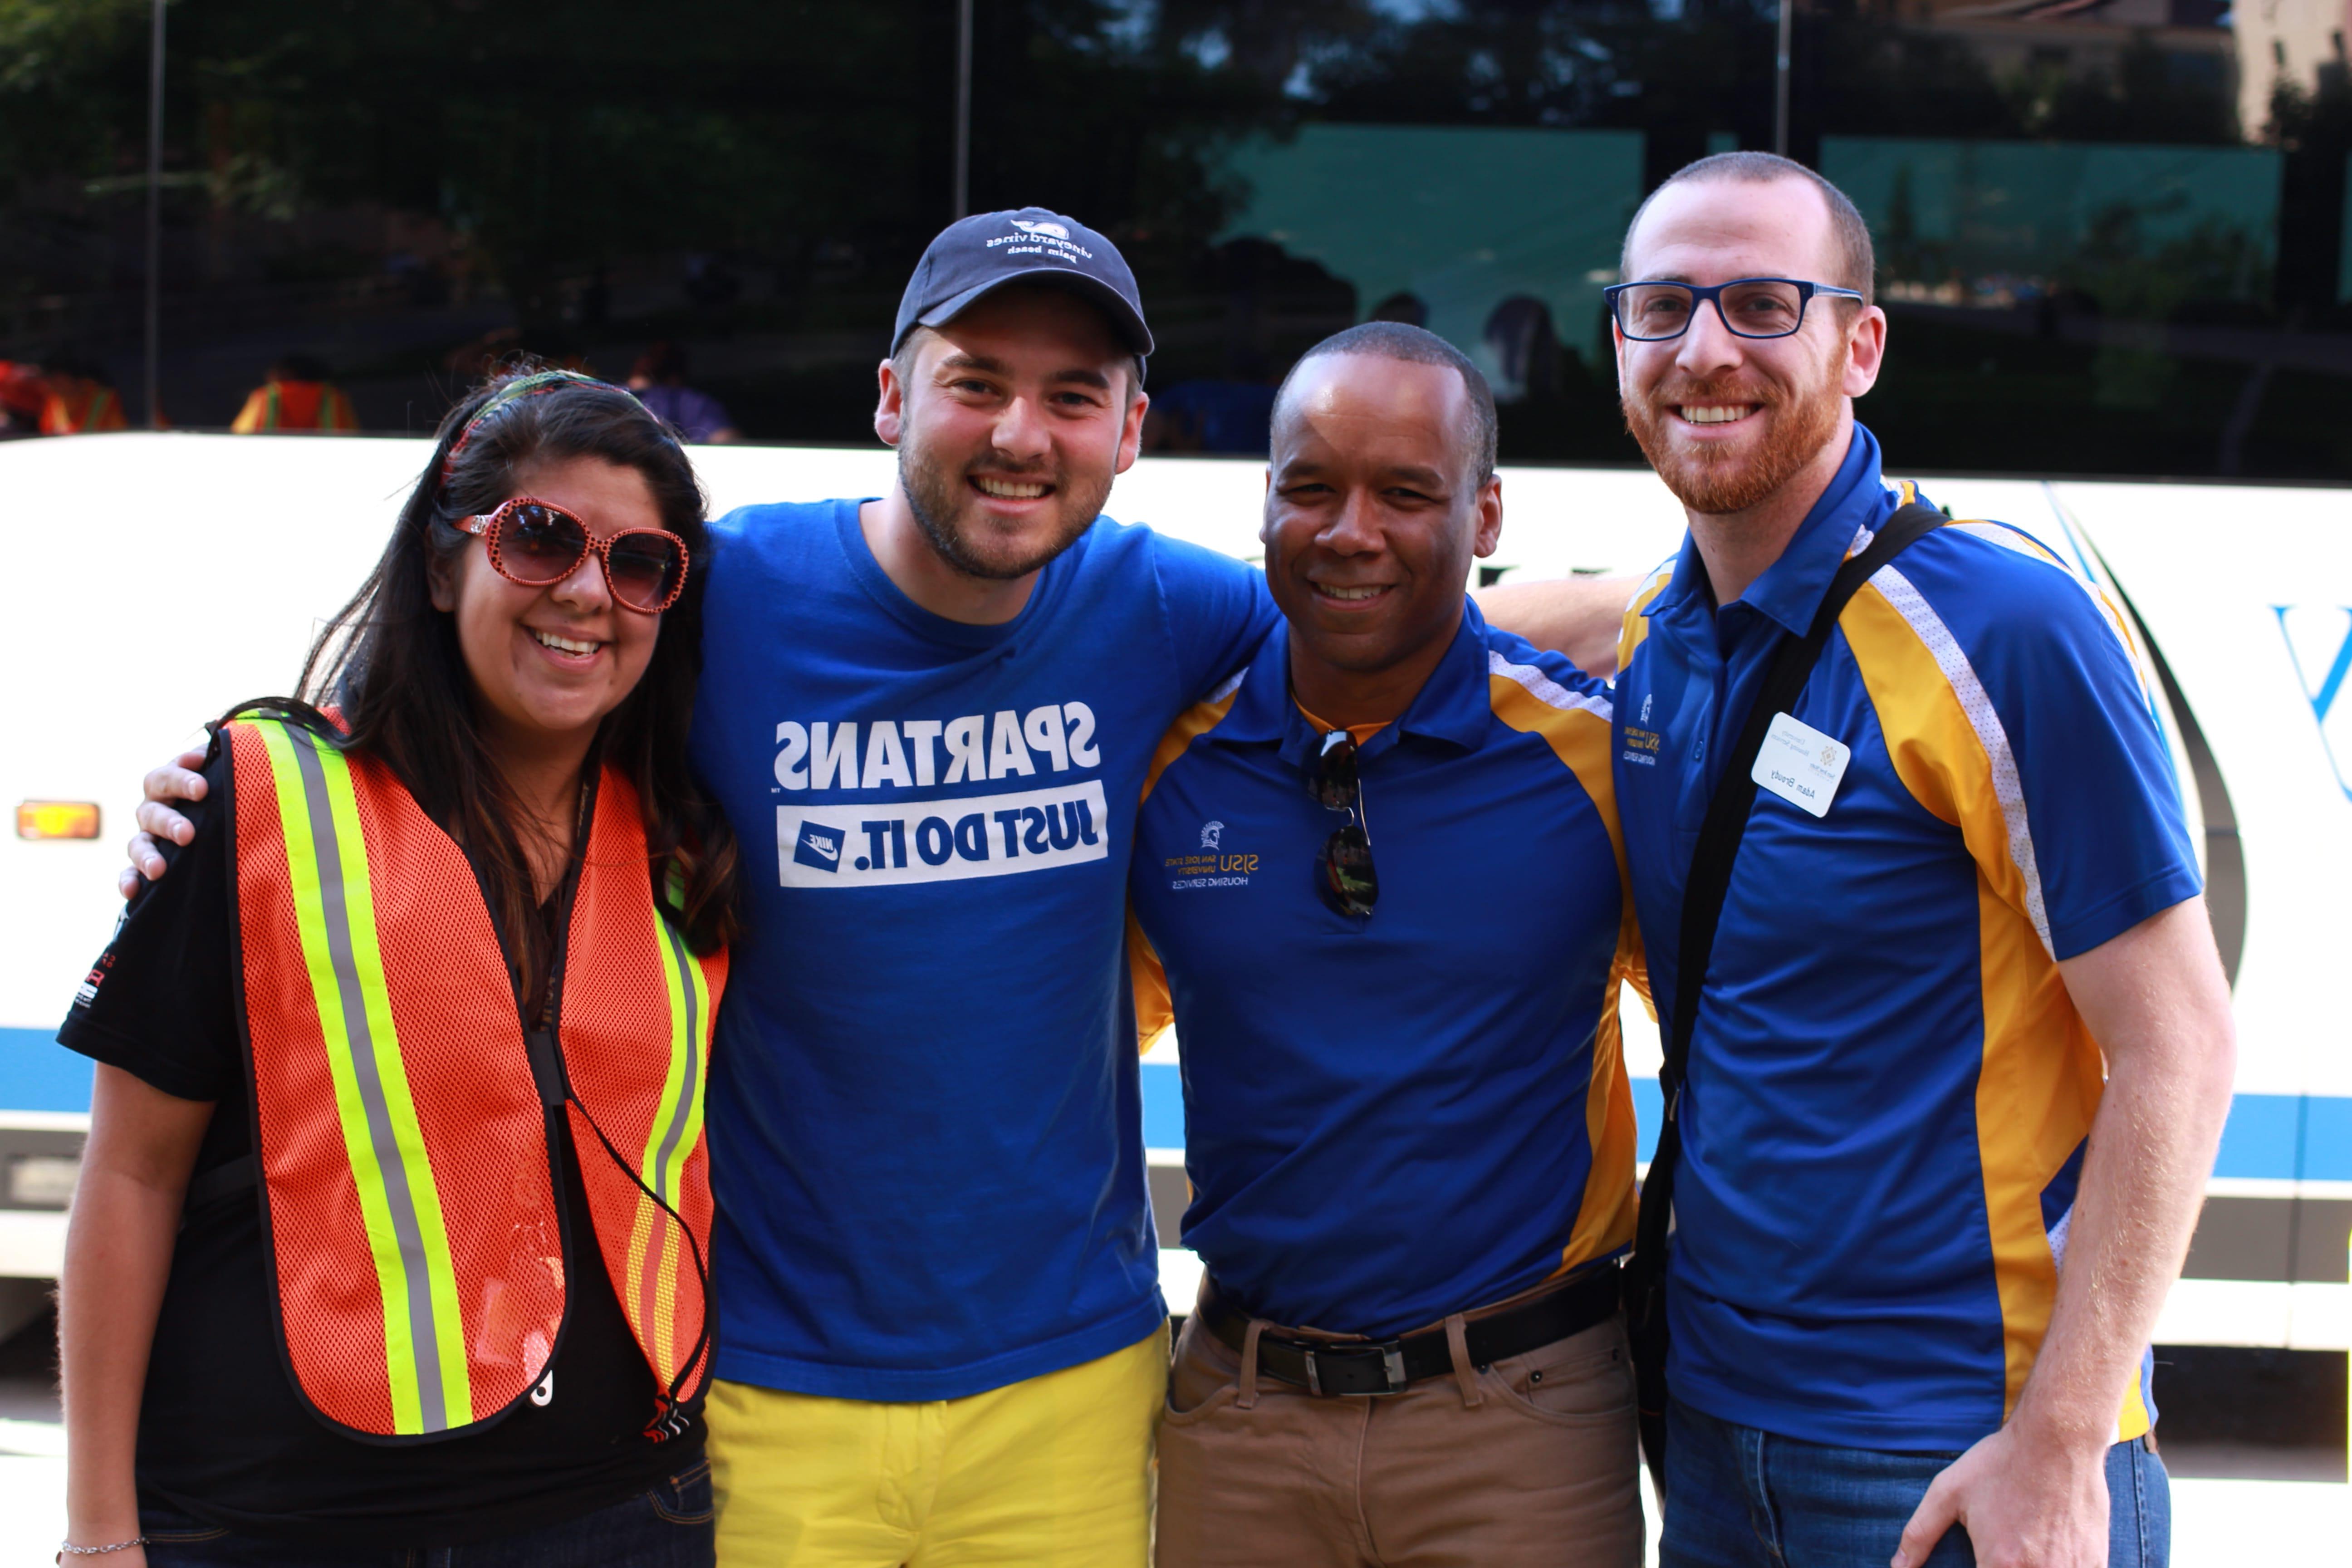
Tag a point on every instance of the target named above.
point(534, 543)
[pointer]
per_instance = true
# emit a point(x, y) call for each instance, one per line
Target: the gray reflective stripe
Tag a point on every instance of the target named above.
point(415, 1269)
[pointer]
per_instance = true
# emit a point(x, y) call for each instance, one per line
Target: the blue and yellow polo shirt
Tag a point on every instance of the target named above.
point(1889, 1090)
point(1391, 1119)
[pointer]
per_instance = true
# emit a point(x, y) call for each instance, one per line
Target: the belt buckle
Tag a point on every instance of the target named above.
point(1391, 1355)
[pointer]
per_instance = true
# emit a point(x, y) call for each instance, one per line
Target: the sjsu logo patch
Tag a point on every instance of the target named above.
point(2319, 642)
point(1213, 866)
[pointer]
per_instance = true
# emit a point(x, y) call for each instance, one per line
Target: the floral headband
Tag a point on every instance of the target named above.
point(521, 386)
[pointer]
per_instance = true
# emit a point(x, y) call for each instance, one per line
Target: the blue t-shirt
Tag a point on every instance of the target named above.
point(925, 1128)
point(1889, 1090)
point(1391, 1119)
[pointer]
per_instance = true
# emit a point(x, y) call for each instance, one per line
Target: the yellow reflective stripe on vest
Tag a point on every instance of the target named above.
point(654, 1256)
point(334, 909)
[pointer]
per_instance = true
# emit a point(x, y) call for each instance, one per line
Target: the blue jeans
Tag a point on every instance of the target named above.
point(668, 1527)
point(1739, 1498)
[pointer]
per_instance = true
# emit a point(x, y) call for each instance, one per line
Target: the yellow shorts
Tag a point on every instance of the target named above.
point(1050, 1472)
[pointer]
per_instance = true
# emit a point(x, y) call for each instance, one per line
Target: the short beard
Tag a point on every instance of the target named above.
point(1703, 481)
point(938, 499)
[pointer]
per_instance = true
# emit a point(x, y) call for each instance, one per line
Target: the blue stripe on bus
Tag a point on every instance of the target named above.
point(2260, 1138)
point(2288, 1137)
point(38, 1074)
point(1649, 1115)
point(2282, 1137)
point(2327, 1152)
point(1163, 1105)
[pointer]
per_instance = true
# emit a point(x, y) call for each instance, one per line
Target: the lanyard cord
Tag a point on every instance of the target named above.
point(670, 1422)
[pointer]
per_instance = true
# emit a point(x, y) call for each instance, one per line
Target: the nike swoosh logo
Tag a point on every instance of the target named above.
point(830, 851)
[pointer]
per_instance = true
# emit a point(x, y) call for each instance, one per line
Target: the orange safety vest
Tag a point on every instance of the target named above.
point(99, 411)
point(283, 406)
point(404, 1123)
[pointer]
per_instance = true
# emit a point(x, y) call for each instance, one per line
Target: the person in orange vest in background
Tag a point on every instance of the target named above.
point(297, 397)
point(391, 1229)
point(23, 395)
point(81, 400)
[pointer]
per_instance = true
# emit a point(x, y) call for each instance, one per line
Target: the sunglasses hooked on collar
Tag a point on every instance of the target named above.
point(1344, 874)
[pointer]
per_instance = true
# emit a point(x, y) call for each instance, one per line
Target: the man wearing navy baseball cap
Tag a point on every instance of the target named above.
point(975, 256)
point(944, 1340)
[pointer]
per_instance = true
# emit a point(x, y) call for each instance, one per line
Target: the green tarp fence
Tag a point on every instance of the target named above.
point(1463, 218)
point(2139, 227)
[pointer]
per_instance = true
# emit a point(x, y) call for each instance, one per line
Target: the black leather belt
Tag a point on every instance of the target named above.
point(1385, 1366)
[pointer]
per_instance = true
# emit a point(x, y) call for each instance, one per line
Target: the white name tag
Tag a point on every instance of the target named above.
point(1800, 764)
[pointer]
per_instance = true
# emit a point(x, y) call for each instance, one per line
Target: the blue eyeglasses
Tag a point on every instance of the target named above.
point(1748, 307)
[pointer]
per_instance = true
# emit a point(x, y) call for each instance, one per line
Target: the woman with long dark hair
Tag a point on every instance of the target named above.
point(391, 1226)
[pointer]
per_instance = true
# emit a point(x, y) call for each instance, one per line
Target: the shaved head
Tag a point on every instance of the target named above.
point(1412, 345)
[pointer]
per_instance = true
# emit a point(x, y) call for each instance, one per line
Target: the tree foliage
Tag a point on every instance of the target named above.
point(72, 86)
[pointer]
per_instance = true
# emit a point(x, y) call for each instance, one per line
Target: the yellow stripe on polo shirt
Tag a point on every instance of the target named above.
point(1576, 728)
point(1192, 724)
point(1154, 1014)
point(2033, 1104)
point(1635, 626)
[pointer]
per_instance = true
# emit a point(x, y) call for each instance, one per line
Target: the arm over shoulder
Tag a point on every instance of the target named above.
point(1217, 612)
point(159, 1002)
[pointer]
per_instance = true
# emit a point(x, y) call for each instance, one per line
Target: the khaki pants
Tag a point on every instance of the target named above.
point(1532, 1460)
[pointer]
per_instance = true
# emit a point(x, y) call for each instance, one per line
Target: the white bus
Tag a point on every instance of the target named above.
point(160, 577)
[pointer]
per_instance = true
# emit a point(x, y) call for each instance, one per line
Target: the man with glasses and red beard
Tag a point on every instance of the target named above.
point(1377, 880)
point(1945, 1087)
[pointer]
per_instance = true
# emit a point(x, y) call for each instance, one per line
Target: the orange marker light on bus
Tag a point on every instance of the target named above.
point(57, 819)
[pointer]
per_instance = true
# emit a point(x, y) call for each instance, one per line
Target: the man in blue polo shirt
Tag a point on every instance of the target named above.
point(1380, 870)
point(1919, 1245)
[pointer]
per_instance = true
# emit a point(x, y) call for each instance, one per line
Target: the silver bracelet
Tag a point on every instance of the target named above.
point(67, 1547)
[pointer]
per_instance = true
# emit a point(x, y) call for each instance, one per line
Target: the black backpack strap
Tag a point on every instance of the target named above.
point(1703, 894)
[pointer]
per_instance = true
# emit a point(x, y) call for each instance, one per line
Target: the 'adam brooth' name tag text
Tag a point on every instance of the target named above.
point(1800, 764)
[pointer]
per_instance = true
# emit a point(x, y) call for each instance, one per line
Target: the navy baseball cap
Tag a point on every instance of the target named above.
point(977, 255)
